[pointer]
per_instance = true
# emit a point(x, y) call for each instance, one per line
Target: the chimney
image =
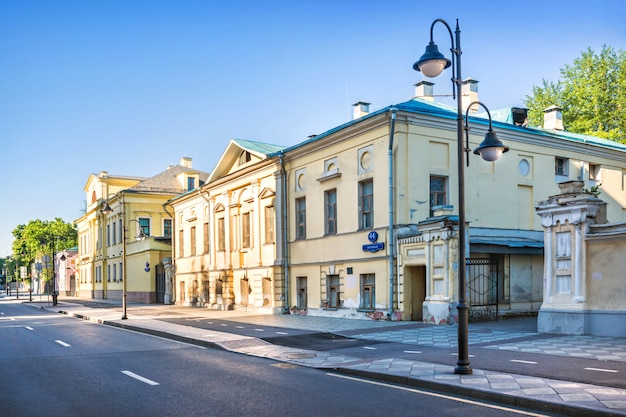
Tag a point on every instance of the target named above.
point(469, 92)
point(553, 118)
point(361, 109)
point(520, 116)
point(185, 161)
point(424, 90)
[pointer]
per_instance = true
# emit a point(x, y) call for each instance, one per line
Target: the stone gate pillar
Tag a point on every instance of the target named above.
point(168, 297)
point(566, 218)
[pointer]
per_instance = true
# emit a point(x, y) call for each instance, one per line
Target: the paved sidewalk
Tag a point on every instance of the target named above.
point(541, 394)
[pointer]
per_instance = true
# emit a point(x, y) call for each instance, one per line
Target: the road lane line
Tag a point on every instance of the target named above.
point(240, 327)
point(29, 328)
point(282, 333)
point(602, 370)
point(522, 361)
point(412, 351)
point(259, 330)
point(444, 396)
point(139, 378)
point(369, 347)
point(62, 343)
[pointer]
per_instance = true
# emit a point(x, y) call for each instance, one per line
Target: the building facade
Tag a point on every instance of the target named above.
point(125, 233)
point(372, 230)
point(225, 254)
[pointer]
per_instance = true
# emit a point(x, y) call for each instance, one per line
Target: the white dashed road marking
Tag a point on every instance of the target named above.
point(602, 370)
point(139, 378)
point(62, 343)
point(522, 361)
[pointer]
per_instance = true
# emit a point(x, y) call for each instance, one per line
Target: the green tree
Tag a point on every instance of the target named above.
point(38, 238)
point(591, 93)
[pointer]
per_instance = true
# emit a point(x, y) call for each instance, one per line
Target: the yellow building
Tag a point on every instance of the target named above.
point(125, 233)
point(372, 225)
point(225, 246)
point(361, 221)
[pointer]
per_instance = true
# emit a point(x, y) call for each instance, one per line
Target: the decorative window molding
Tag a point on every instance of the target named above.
point(300, 180)
point(365, 159)
point(267, 193)
point(331, 170)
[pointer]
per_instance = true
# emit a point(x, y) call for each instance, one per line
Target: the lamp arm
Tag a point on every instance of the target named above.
point(454, 49)
point(467, 128)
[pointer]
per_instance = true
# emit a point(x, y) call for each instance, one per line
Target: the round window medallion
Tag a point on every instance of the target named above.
point(301, 181)
point(524, 167)
point(366, 160)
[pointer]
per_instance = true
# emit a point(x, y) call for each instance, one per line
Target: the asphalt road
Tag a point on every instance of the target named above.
point(56, 365)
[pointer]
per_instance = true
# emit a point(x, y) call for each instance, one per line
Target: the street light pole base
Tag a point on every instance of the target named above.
point(463, 369)
point(124, 318)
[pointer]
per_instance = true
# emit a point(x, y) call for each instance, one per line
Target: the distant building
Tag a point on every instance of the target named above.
point(125, 233)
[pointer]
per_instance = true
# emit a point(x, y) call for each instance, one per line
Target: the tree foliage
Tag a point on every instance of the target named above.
point(37, 238)
point(591, 93)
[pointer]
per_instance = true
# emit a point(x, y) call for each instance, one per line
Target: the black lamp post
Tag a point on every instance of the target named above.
point(431, 64)
point(138, 237)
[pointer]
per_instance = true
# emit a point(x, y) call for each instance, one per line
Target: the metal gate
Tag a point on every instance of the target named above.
point(160, 284)
point(482, 288)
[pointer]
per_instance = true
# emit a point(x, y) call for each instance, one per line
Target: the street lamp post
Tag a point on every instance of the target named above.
point(138, 237)
point(431, 64)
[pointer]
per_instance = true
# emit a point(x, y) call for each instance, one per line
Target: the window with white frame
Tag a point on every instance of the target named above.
point(330, 212)
point(144, 225)
point(167, 227)
point(561, 166)
point(301, 218)
point(366, 204)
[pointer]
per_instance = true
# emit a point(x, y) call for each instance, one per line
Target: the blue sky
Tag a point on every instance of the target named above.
point(130, 86)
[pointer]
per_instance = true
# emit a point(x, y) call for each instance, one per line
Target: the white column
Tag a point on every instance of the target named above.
point(549, 266)
point(579, 296)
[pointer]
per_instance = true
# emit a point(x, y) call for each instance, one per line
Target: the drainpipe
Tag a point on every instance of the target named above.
point(391, 240)
point(173, 290)
point(285, 237)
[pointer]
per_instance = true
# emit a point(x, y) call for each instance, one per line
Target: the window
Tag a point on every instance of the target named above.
point(221, 234)
point(334, 293)
point(245, 230)
point(301, 218)
point(167, 227)
point(181, 244)
point(109, 273)
point(192, 238)
point(366, 204)
point(330, 212)
point(244, 157)
point(368, 291)
point(191, 183)
point(561, 166)
point(108, 235)
point(114, 273)
point(121, 274)
point(144, 226)
point(113, 234)
point(206, 237)
point(594, 172)
point(120, 227)
point(438, 195)
point(301, 301)
point(269, 224)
